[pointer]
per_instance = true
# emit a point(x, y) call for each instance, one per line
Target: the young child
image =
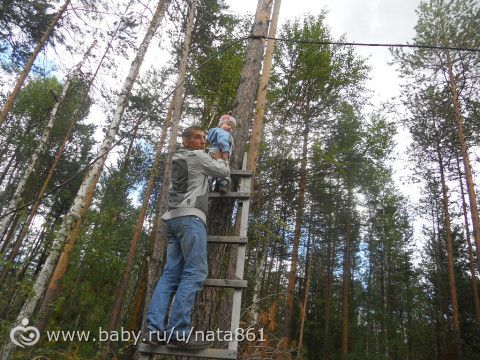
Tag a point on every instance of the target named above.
point(221, 140)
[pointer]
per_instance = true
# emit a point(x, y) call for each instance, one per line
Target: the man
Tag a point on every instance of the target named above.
point(186, 266)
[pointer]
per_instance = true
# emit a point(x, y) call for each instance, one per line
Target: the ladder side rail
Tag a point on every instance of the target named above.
point(245, 186)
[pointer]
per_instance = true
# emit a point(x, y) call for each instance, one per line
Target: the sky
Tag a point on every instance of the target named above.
point(367, 21)
point(375, 21)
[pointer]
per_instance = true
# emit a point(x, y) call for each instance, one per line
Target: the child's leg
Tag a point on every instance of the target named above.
point(213, 181)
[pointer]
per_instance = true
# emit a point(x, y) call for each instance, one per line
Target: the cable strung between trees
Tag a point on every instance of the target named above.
point(225, 48)
point(344, 43)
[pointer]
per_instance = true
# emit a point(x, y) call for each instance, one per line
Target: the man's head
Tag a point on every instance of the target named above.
point(193, 138)
point(227, 123)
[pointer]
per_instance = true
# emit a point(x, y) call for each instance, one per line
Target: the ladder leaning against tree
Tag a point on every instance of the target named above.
point(238, 284)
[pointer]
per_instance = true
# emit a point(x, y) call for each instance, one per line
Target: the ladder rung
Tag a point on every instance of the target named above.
point(241, 173)
point(227, 283)
point(227, 239)
point(204, 353)
point(236, 195)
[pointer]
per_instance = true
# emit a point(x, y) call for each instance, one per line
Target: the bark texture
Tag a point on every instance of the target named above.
point(346, 287)
point(451, 274)
point(465, 155)
point(308, 275)
point(302, 185)
point(471, 257)
point(257, 130)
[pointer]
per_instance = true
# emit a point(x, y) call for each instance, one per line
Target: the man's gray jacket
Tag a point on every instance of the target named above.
point(188, 193)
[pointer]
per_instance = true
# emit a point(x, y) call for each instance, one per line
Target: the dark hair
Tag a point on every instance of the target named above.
point(187, 133)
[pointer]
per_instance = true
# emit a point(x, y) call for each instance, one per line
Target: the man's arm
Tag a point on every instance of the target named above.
point(211, 167)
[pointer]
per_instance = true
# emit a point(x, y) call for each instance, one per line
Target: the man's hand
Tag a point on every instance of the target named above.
point(225, 156)
point(217, 156)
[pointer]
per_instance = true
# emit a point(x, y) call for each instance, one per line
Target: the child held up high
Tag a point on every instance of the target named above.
point(221, 140)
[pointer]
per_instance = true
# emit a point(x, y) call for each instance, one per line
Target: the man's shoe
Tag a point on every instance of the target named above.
point(190, 344)
point(155, 338)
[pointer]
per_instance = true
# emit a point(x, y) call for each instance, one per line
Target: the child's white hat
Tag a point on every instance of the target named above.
point(226, 118)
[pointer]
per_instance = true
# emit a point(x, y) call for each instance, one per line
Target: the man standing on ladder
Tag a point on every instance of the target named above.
point(186, 267)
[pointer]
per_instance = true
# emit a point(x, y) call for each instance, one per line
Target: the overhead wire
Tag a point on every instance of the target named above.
point(119, 141)
point(220, 51)
point(346, 43)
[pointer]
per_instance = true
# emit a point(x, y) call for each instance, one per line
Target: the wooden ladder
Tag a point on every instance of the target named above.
point(238, 284)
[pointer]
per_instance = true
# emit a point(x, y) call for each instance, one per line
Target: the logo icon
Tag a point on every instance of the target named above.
point(24, 335)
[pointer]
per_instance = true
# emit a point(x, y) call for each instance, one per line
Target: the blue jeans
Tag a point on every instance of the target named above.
point(183, 275)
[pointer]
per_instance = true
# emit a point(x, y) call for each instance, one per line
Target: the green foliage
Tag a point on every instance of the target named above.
point(445, 23)
point(218, 55)
point(95, 267)
point(22, 24)
point(310, 80)
point(29, 117)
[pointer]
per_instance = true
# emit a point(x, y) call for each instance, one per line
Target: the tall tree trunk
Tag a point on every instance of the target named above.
point(41, 147)
point(220, 212)
point(302, 184)
point(444, 339)
point(451, 274)
point(409, 310)
point(9, 230)
point(4, 146)
point(308, 275)
point(471, 260)
point(383, 289)
point(331, 255)
point(176, 111)
point(23, 75)
point(156, 251)
point(11, 257)
point(466, 158)
point(256, 137)
point(74, 215)
point(259, 266)
point(139, 302)
point(346, 285)
point(370, 348)
point(435, 330)
point(260, 254)
point(9, 164)
point(249, 80)
point(19, 276)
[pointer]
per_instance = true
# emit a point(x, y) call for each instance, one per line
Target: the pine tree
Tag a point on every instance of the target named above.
point(449, 24)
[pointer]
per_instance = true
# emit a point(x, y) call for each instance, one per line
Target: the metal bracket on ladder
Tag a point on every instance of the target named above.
point(238, 284)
